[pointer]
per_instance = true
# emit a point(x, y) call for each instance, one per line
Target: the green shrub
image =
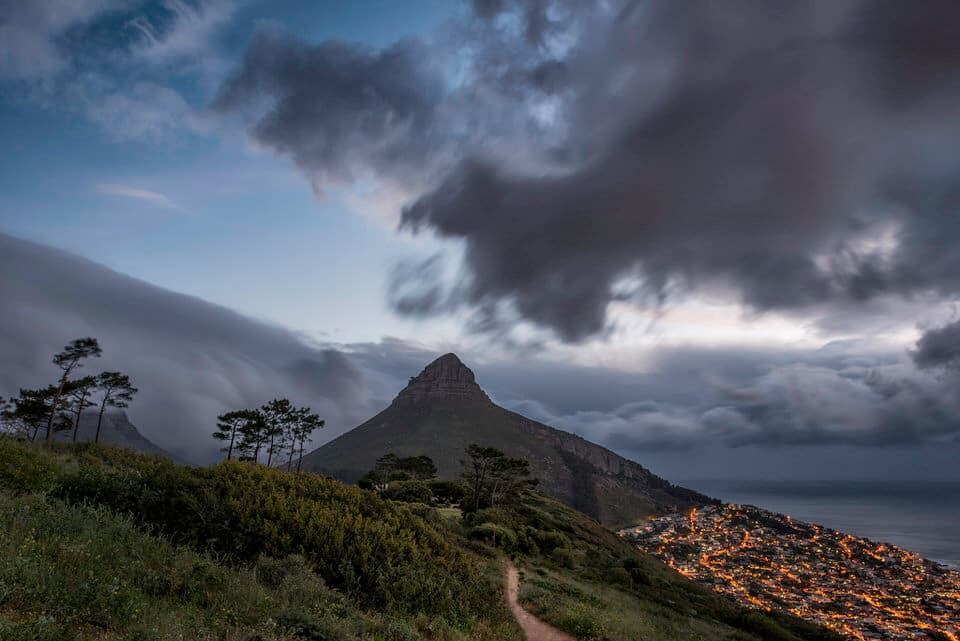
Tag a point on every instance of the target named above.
point(586, 628)
point(548, 541)
point(496, 535)
point(563, 557)
point(308, 627)
point(43, 629)
point(384, 556)
point(447, 492)
point(24, 468)
point(409, 492)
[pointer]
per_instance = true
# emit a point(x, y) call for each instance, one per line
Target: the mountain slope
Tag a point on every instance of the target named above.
point(116, 430)
point(443, 410)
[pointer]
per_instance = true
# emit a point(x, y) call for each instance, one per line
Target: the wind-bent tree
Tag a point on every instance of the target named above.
point(68, 360)
point(115, 391)
point(231, 425)
point(277, 427)
point(508, 478)
point(477, 468)
point(493, 476)
point(78, 392)
point(254, 435)
point(305, 425)
point(6, 415)
point(421, 468)
point(30, 412)
point(10, 422)
point(278, 415)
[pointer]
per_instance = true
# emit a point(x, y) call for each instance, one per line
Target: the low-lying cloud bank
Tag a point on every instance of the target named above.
point(845, 393)
point(191, 360)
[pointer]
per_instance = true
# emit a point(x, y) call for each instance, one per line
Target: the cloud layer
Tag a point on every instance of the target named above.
point(131, 67)
point(191, 360)
point(782, 156)
point(842, 394)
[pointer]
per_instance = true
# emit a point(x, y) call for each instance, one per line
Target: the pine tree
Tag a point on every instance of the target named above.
point(68, 360)
point(305, 425)
point(231, 425)
point(278, 415)
point(78, 392)
point(252, 436)
point(31, 411)
point(115, 391)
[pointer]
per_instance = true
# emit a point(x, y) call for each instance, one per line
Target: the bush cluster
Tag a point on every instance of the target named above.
point(380, 555)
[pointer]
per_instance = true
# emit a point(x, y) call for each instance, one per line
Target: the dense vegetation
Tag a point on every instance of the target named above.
point(101, 543)
point(242, 522)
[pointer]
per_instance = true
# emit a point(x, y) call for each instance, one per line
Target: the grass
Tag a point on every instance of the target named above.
point(593, 611)
point(98, 543)
point(95, 572)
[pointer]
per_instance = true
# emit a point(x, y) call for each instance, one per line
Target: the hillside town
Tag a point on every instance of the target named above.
point(869, 591)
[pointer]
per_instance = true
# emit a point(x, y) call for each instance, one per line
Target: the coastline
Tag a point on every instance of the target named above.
point(920, 516)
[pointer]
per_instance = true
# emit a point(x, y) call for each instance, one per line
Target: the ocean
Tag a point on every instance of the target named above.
point(923, 517)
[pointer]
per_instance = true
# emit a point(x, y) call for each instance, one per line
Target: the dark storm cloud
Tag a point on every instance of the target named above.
point(800, 404)
point(797, 154)
point(766, 159)
point(190, 359)
point(338, 108)
point(939, 347)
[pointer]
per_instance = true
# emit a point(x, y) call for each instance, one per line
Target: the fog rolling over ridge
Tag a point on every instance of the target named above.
point(190, 359)
point(847, 409)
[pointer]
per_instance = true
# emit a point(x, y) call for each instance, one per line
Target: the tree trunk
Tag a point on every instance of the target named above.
point(76, 424)
point(300, 459)
point(103, 407)
point(233, 435)
point(55, 405)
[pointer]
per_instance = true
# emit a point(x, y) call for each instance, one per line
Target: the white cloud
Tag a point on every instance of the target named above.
point(126, 191)
point(189, 34)
point(28, 29)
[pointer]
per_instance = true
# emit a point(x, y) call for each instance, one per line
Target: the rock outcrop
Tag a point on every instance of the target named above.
point(446, 378)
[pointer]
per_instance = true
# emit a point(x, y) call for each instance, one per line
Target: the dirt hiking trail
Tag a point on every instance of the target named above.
point(533, 628)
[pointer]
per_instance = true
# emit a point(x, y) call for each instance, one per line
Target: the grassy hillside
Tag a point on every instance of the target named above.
point(100, 543)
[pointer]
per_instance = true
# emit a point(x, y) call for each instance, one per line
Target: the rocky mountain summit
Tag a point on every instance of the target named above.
point(443, 409)
point(446, 378)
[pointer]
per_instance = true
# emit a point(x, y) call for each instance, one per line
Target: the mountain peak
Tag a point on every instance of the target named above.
point(445, 378)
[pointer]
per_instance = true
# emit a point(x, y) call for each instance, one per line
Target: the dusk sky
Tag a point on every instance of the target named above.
point(719, 238)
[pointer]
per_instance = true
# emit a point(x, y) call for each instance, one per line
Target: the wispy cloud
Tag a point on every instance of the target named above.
point(125, 191)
